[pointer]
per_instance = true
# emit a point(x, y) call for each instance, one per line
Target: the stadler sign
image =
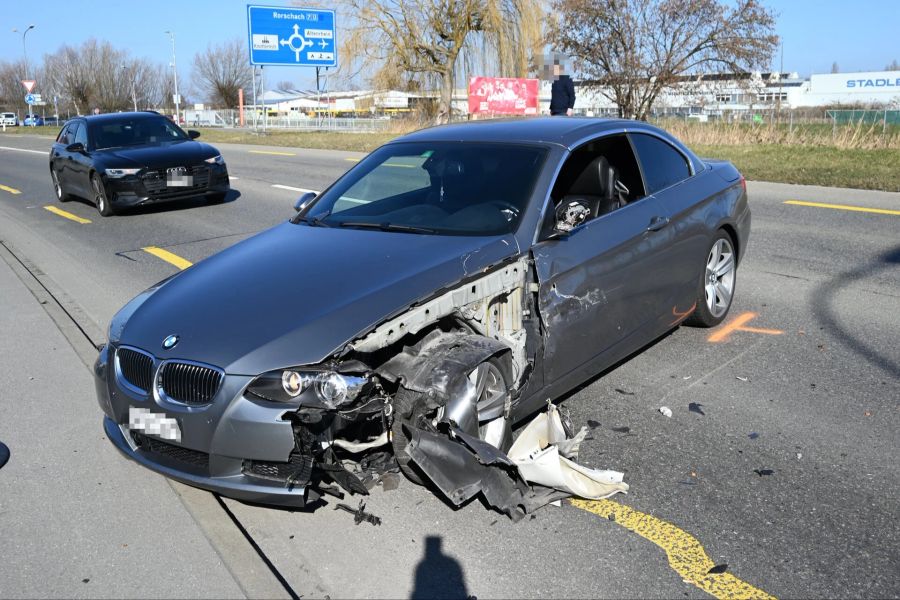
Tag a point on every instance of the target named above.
point(880, 82)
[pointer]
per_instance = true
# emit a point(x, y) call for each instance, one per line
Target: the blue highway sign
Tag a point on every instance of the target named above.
point(302, 37)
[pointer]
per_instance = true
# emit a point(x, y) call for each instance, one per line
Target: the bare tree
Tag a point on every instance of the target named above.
point(221, 71)
point(892, 66)
point(11, 90)
point(285, 86)
point(835, 68)
point(630, 50)
point(413, 44)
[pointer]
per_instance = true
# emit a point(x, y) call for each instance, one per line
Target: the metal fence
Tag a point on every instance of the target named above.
point(256, 120)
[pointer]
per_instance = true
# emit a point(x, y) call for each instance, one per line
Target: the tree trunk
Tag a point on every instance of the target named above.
point(445, 105)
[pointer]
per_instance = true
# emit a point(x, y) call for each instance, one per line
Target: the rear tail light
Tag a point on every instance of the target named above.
point(743, 183)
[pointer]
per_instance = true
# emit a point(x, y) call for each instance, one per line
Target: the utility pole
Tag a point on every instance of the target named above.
point(177, 98)
point(25, 56)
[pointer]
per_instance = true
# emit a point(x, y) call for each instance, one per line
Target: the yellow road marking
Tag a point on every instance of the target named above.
point(67, 215)
point(271, 152)
point(877, 211)
point(353, 159)
point(167, 256)
point(739, 323)
point(9, 189)
point(685, 553)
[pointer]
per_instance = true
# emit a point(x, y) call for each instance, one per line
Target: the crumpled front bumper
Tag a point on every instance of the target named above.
point(218, 441)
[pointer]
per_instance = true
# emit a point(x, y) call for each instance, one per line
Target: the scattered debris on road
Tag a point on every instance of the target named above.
point(696, 407)
point(4, 454)
point(624, 392)
point(359, 514)
point(763, 472)
point(753, 435)
point(621, 429)
point(718, 569)
point(665, 411)
point(744, 379)
point(538, 469)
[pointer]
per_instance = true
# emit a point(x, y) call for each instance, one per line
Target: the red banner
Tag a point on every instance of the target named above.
point(503, 96)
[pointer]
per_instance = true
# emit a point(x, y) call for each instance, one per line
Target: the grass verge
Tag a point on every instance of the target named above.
point(812, 165)
point(860, 168)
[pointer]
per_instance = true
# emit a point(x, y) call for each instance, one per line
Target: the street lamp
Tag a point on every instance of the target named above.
point(133, 94)
point(25, 55)
point(175, 71)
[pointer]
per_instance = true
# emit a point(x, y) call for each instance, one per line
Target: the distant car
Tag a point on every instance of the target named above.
point(506, 263)
point(121, 160)
point(34, 120)
point(54, 120)
point(9, 118)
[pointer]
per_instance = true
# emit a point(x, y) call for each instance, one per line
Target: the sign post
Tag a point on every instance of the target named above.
point(290, 37)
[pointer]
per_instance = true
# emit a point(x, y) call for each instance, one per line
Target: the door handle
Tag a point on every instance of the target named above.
point(657, 223)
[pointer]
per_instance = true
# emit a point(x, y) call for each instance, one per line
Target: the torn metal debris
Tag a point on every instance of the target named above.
point(359, 514)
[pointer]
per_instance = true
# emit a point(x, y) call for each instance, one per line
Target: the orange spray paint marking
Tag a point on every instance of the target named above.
point(740, 324)
point(681, 316)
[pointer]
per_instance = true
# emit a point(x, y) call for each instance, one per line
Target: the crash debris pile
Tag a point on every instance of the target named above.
point(538, 469)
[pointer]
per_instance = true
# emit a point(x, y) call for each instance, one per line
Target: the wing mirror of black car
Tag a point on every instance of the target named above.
point(304, 200)
point(193, 134)
point(76, 147)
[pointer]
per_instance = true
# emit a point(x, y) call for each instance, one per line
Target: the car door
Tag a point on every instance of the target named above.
point(61, 156)
point(81, 163)
point(668, 174)
point(597, 285)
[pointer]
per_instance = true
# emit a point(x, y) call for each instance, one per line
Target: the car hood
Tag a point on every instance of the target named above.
point(158, 156)
point(294, 294)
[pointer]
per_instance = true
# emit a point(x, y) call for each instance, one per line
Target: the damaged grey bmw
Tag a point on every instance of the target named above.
point(447, 287)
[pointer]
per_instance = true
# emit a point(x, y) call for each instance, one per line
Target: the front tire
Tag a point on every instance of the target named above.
point(716, 289)
point(490, 379)
point(100, 198)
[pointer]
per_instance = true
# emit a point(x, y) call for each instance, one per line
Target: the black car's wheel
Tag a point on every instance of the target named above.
point(716, 288)
point(61, 194)
point(217, 198)
point(490, 386)
point(100, 199)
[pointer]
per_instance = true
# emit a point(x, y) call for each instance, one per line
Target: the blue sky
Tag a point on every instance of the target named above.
point(860, 35)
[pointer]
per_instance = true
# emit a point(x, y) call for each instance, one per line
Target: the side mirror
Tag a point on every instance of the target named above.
point(304, 200)
point(193, 134)
point(76, 147)
point(569, 215)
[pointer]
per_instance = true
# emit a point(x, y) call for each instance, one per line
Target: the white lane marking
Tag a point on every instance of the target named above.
point(233, 178)
point(292, 189)
point(44, 152)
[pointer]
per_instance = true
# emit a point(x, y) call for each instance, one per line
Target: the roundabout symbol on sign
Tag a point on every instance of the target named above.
point(290, 42)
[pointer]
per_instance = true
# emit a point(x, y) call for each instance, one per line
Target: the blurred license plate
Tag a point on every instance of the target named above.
point(158, 424)
point(178, 178)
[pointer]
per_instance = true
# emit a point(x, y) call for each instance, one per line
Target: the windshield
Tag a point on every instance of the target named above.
point(447, 188)
point(135, 132)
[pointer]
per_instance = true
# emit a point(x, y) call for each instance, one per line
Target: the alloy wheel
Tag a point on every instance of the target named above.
point(719, 282)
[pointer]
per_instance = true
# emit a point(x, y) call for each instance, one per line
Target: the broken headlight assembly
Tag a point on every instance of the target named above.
point(327, 388)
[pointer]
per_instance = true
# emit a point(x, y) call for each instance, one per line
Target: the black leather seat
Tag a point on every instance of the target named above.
point(595, 188)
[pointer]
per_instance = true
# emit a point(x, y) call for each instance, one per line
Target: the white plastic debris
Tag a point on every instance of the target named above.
point(665, 411)
point(542, 453)
point(743, 378)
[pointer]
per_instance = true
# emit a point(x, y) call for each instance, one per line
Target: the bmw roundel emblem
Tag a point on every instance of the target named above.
point(170, 342)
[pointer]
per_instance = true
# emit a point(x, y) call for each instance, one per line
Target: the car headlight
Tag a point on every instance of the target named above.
point(328, 388)
point(216, 160)
point(116, 173)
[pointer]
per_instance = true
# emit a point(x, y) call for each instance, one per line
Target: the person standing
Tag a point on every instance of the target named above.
point(562, 93)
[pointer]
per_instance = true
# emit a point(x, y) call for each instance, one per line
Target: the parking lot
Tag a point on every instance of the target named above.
point(776, 474)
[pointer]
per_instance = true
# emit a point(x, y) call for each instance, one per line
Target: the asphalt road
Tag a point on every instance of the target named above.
point(780, 459)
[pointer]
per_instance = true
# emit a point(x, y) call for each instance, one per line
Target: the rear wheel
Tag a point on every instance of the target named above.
point(487, 383)
point(716, 288)
point(100, 199)
point(61, 194)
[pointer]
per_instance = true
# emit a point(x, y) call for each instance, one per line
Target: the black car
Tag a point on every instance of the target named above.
point(131, 159)
point(463, 274)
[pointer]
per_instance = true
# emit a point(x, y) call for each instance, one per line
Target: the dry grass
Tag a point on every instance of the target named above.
point(858, 136)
